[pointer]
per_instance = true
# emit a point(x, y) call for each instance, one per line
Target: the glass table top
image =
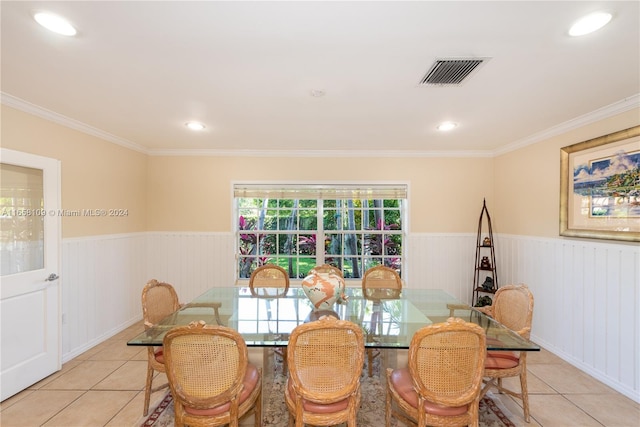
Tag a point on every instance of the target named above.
point(389, 320)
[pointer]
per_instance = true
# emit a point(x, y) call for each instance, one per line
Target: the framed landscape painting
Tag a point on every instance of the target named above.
point(600, 187)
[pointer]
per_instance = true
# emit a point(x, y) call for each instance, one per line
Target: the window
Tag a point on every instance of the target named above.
point(300, 226)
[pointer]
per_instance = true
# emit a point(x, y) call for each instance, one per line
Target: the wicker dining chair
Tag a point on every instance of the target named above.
point(380, 282)
point(271, 281)
point(159, 300)
point(211, 379)
point(442, 385)
point(513, 307)
point(325, 362)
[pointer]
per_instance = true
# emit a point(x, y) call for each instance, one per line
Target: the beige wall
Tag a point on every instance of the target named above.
point(527, 181)
point(96, 174)
point(195, 193)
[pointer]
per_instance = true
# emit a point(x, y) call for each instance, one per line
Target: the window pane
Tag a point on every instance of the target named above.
point(353, 267)
point(308, 219)
point(300, 234)
point(305, 265)
point(246, 265)
point(22, 216)
point(331, 219)
point(270, 220)
point(394, 244)
point(287, 244)
point(267, 244)
point(307, 244)
point(308, 204)
point(334, 246)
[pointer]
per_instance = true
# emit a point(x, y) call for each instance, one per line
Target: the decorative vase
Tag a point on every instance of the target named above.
point(323, 289)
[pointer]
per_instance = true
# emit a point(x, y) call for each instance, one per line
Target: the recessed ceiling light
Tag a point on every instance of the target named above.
point(317, 93)
point(590, 23)
point(194, 125)
point(446, 126)
point(55, 23)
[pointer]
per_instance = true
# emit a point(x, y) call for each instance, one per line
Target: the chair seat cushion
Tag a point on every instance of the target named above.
point(318, 408)
point(251, 379)
point(501, 360)
point(159, 355)
point(402, 383)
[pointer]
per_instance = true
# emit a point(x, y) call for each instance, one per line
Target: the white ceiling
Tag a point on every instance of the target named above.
point(137, 71)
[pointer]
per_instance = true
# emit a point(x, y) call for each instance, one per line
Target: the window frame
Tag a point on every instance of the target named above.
point(285, 189)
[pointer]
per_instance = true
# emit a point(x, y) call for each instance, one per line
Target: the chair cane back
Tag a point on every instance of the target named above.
point(442, 384)
point(380, 282)
point(269, 281)
point(513, 307)
point(211, 380)
point(325, 362)
point(159, 300)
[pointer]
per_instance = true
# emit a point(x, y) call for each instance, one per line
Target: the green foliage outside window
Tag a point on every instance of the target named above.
point(353, 235)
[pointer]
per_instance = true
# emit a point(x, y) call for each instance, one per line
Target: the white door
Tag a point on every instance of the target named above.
point(30, 321)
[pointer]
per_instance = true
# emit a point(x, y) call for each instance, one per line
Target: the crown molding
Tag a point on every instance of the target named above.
point(27, 107)
point(319, 153)
point(619, 107)
point(611, 110)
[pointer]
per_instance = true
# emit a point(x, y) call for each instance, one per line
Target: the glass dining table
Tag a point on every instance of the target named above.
point(388, 318)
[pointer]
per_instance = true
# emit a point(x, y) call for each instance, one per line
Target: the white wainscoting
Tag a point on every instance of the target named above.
point(587, 293)
point(441, 261)
point(102, 278)
point(101, 281)
point(587, 302)
point(192, 262)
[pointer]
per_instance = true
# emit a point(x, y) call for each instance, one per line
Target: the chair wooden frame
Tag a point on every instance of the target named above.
point(378, 283)
point(211, 379)
point(325, 361)
point(446, 364)
point(159, 300)
point(513, 307)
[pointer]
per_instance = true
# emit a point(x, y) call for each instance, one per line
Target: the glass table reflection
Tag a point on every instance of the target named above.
point(388, 318)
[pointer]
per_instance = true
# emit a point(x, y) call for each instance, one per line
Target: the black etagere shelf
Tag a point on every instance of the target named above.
point(485, 277)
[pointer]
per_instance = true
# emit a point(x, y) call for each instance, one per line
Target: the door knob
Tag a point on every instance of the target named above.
point(52, 277)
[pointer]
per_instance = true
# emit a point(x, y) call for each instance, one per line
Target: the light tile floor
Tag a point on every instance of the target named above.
point(104, 387)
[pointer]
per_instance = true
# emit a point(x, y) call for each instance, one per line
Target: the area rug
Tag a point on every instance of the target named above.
point(371, 413)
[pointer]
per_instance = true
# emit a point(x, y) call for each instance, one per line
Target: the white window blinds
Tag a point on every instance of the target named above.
point(320, 191)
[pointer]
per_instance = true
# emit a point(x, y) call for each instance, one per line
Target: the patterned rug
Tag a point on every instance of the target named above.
point(371, 413)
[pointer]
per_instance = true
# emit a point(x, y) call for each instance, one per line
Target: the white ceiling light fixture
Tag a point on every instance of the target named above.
point(195, 126)
point(590, 23)
point(447, 126)
point(55, 23)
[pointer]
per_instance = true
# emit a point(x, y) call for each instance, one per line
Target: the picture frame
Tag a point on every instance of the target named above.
point(600, 187)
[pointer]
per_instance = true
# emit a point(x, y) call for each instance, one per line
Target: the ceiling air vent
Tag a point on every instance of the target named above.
point(451, 71)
